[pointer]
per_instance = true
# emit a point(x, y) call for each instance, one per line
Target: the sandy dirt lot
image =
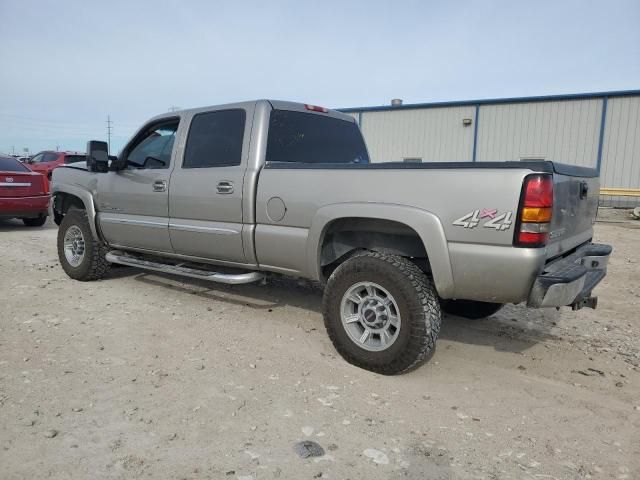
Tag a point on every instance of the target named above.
point(148, 376)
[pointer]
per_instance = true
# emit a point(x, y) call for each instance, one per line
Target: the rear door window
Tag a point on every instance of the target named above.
point(215, 139)
point(314, 138)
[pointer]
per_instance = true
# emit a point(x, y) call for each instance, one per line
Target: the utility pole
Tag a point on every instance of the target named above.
point(109, 129)
point(173, 108)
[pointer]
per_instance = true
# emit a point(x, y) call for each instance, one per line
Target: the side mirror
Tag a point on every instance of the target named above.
point(97, 156)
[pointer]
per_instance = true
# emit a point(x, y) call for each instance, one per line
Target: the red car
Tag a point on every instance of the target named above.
point(23, 194)
point(44, 162)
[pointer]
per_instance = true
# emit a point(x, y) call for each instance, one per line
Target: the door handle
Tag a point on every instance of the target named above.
point(225, 187)
point(584, 189)
point(160, 186)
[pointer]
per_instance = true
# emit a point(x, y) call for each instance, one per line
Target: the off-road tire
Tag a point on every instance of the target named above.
point(94, 265)
point(418, 305)
point(35, 222)
point(471, 309)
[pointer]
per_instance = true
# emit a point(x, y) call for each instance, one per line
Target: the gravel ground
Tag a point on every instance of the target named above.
point(148, 376)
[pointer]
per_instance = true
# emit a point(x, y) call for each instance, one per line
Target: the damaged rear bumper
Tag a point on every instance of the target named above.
point(569, 281)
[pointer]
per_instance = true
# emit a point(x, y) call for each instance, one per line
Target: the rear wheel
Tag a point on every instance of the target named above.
point(382, 313)
point(35, 222)
point(81, 257)
point(470, 309)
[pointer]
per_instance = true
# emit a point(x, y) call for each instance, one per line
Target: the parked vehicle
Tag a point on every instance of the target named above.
point(46, 161)
point(23, 193)
point(234, 192)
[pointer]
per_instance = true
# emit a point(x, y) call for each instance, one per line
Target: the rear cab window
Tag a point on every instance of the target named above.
point(313, 138)
point(74, 159)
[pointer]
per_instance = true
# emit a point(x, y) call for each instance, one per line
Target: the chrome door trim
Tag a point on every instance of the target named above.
point(127, 221)
point(194, 228)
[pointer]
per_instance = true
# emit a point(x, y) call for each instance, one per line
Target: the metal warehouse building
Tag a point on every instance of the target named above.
point(600, 130)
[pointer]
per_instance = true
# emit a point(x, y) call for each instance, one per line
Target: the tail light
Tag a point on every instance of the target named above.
point(534, 215)
point(45, 184)
point(315, 108)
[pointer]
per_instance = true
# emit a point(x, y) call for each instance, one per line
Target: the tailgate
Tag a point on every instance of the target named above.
point(18, 184)
point(575, 205)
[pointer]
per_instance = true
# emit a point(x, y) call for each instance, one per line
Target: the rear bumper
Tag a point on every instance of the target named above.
point(570, 280)
point(24, 207)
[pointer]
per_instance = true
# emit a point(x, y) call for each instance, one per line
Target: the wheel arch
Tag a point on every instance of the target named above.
point(66, 196)
point(396, 220)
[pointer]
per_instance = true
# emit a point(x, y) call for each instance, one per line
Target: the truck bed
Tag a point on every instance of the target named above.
point(446, 191)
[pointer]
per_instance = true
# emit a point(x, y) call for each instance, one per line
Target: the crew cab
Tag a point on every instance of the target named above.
point(237, 192)
point(23, 193)
point(44, 162)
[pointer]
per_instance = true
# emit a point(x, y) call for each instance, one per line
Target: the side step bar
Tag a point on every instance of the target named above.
point(230, 279)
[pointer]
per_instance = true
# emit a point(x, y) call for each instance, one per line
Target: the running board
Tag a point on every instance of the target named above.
point(231, 279)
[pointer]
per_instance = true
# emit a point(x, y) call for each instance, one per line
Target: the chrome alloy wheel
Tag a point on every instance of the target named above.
point(74, 246)
point(370, 316)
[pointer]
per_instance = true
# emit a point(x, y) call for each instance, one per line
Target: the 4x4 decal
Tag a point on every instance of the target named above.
point(495, 220)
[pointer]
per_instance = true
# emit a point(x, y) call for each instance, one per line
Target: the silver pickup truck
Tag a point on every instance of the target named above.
point(234, 193)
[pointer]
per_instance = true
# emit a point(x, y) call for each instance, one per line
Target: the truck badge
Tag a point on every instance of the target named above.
point(498, 221)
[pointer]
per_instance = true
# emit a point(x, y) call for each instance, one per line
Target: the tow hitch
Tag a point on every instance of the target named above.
point(588, 302)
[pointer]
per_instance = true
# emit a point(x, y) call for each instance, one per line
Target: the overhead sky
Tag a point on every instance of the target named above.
point(67, 64)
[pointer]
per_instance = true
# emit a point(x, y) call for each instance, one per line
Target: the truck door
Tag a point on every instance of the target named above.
point(133, 203)
point(205, 195)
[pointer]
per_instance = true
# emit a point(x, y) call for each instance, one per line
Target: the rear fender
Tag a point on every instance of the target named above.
point(425, 223)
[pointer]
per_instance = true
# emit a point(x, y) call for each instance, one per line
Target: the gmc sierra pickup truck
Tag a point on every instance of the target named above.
point(236, 192)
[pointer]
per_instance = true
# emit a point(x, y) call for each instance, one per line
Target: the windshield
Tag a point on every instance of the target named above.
point(45, 157)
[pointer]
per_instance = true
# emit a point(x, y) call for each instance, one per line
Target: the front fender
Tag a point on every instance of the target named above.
point(426, 225)
point(87, 200)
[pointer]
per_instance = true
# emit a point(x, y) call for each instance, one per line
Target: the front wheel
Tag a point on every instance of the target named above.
point(381, 313)
point(81, 256)
point(470, 309)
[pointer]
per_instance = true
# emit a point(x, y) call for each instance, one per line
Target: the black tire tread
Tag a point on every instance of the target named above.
point(95, 251)
point(423, 333)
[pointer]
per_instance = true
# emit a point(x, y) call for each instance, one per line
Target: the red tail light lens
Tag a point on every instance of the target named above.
point(45, 184)
point(538, 191)
point(315, 108)
point(534, 216)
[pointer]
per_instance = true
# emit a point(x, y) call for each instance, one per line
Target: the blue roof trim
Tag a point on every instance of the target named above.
point(494, 101)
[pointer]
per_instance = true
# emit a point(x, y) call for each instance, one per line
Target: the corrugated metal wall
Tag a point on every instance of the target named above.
point(434, 134)
point(620, 167)
point(567, 130)
point(544, 130)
